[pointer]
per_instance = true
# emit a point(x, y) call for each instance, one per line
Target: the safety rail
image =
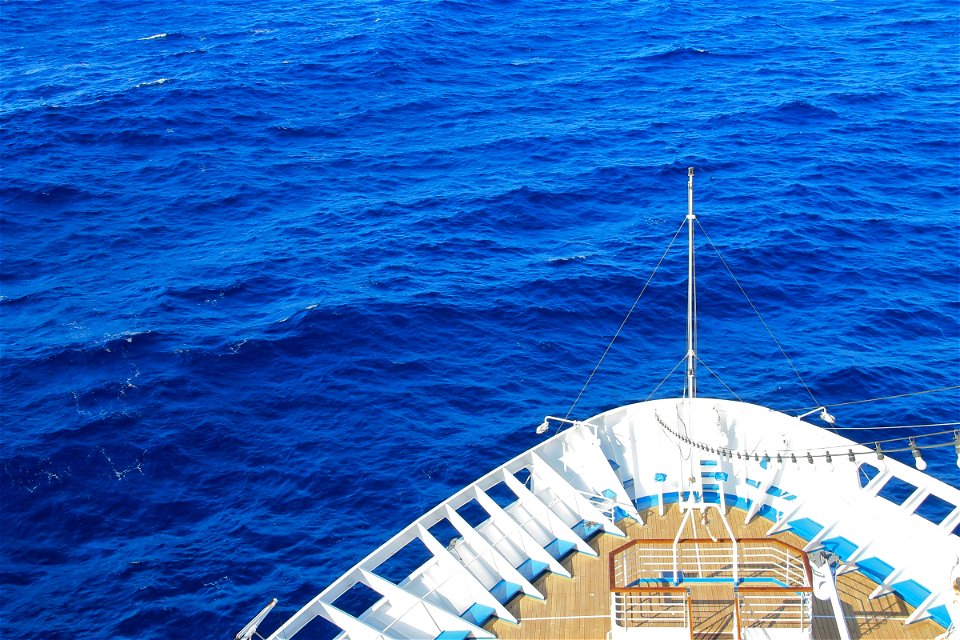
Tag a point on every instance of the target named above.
point(658, 613)
point(653, 562)
point(767, 612)
point(771, 583)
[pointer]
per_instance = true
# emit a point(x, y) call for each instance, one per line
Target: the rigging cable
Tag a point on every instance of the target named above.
point(762, 321)
point(666, 377)
point(900, 426)
point(894, 397)
point(622, 324)
point(719, 379)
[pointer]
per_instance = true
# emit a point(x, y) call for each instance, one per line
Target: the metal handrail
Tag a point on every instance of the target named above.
point(757, 556)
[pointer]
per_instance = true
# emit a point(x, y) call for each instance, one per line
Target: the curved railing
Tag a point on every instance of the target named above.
point(651, 596)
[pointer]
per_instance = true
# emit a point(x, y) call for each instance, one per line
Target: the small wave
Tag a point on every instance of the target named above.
point(564, 260)
point(522, 62)
point(799, 110)
point(163, 35)
point(677, 53)
point(153, 83)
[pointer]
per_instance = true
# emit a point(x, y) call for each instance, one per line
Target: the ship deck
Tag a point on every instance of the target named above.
point(578, 608)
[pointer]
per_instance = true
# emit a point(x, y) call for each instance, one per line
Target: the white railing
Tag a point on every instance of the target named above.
point(650, 562)
point(771, 582)
point(772, 608)
point(651, 607)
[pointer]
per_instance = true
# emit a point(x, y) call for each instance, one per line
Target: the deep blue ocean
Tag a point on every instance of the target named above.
point(279, 277)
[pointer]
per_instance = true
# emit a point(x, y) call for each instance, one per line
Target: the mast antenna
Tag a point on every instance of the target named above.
point(691, 295)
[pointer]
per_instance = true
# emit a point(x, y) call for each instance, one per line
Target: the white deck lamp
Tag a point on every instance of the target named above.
point(956, 445)
point(824, 415)
point(917, 460)
point(545, 425)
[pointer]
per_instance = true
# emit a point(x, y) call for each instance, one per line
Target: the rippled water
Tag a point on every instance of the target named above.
point(278, 278)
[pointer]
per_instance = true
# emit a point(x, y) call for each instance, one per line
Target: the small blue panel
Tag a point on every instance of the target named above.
point(753, 483)
point(912, 591)
point(840, 546)
point(651, 582)
point(660, 477)
point(609, 494)
point(619, 514)
point(805, 528)
point(777, 492)
point(646, 502)
point(559, 548)
point(613, 464)
point(586, 529)
point(708, 463)
point(769, 513)
point(531, 569)
point(712, 497)
point(477, 614)
point(722, 476)
point(453, 635)
point(875, 569)
point(504, 590)
point(667, 576)
point(940, 615)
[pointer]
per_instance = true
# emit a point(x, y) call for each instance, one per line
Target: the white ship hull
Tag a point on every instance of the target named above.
point(591, 476)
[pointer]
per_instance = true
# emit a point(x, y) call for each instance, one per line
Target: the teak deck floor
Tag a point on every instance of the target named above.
point(578, 608)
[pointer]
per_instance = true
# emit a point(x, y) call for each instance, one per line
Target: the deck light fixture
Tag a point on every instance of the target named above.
point(956, 445)
point(851, 456)
point(826, 417)
point(920, 463)
point(545, 425)
point(879, 451)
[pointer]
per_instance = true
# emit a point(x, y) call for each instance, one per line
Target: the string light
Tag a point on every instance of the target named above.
point(917, 460)
point(877, 449)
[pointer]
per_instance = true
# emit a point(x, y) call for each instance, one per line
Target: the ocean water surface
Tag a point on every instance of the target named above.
point(278, 278)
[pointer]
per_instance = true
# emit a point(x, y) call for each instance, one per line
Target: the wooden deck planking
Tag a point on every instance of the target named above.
point(578, 608)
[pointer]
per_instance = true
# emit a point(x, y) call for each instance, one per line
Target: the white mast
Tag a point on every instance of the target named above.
point(691, 296)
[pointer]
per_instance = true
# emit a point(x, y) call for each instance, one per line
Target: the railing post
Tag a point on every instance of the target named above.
point(736, 613)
